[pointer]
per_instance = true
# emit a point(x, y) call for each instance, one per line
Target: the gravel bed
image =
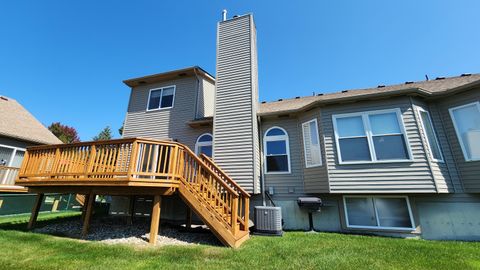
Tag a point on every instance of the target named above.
point(115, 231)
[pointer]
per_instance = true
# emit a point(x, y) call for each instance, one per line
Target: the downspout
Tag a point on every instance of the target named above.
point(262, 172)
point(198, 94)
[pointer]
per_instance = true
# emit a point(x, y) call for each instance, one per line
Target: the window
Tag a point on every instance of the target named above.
point(378, 212)
point(161, 98)
point(466, 120)
point(277, 152)
point(204, 145)
point(432, 140)
point(311, 144)
point(376, 136)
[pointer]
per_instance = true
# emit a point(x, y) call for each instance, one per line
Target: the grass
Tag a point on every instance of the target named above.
point(295, 250)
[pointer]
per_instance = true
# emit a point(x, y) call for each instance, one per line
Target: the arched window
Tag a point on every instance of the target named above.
point(276, 150)
point(204, 144)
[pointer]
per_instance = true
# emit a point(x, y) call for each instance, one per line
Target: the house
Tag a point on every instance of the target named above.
point(399, 160)
point(393, 160)
point(19, 129)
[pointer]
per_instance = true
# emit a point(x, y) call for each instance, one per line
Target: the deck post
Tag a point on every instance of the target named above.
point(188, 222)
point(131, 210)
point(35, 210)
point(157, 201)
point(85, 205)
point(88, 214)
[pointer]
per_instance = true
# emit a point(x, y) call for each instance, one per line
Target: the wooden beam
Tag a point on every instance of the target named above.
point(157, 201)
point(88, 214)
point(35, 210)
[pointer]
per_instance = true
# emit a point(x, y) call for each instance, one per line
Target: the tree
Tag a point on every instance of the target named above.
point(120, 130)
point(65, 133)
point(105, 134)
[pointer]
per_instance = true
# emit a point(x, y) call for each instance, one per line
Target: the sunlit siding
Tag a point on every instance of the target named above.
point(235, 135)
point(405, 177)
point(168, 124)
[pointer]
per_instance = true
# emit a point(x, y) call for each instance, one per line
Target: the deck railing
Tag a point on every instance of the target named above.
point(8, 175)
point(147, 161)
point(125, 159)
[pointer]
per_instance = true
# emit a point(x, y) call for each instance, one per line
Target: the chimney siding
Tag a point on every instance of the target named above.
point(235, 126)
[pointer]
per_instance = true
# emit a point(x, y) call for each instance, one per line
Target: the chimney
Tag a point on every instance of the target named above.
point(235, 126)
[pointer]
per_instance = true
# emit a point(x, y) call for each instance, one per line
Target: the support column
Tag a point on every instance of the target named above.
point(88, 214)
point(131, 210)
point(85, 205)
point(157, 201)
point(188, 218)
point(35, 210)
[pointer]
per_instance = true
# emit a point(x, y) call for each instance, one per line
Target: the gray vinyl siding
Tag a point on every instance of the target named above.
point(469, 170)
point(235, 143)
point(315, 178)
point(287, 184)
point(164, 124)
point(206, 99)
point(14, 142)
point(439, 169)
point(404, 177)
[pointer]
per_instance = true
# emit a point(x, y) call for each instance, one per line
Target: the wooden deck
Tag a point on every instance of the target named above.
point(139, 166)
point(7, 180)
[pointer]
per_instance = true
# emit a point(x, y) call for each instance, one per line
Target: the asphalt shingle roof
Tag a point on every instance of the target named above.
point(18, 123)
point(429, 88)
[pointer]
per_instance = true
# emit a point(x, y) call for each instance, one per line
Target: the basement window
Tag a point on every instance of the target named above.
point(161, 98)
point(466, 120)
point(378, 212)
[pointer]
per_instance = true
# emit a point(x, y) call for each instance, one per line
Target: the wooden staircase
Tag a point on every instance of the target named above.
point(137, 166)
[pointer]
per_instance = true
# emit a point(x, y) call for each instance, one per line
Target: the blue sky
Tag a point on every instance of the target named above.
point(65, 60)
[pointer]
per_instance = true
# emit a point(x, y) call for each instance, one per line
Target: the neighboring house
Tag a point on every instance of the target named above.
point(18, 130)
point(395, 160)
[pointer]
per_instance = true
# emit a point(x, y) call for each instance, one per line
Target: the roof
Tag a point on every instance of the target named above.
point(174, 74)
point(16, 122)
point(432, 88)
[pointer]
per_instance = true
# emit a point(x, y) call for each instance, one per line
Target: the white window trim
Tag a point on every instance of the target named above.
point(369, 136)
point(161, 96)
point(200, 144)
point(15, 149)
point(305, 144)
point(429, 145)
point(460, 140)
point(410, 214)
point(276, 138)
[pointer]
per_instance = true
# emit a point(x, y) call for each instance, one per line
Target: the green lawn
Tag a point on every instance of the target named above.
point(295, 250)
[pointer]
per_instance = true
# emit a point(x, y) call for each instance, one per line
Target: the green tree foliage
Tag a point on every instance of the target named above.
point(120, 131)
point(65, 133)
point(105, 134)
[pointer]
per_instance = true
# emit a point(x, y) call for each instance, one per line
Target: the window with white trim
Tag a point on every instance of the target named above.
point(277, 152)
point(204, 145)
point(466, 120)
point(374, 136)
point(432, 141)
point(378, 212)
point(311, 144)
point(161, 98)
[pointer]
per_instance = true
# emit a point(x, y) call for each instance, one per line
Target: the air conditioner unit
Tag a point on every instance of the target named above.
point(268, 220)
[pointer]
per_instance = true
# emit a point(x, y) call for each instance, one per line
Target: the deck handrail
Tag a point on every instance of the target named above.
point(141, 160)
point(8, 175)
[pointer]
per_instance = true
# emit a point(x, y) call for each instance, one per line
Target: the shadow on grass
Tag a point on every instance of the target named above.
point(20, 222)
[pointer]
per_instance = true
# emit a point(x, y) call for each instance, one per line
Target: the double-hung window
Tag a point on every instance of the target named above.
point(466, 120)
point(378, 212)
point(433, 145)
point(375, 136)
point(311, 144)
point(161, 98)
point(277, 152)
